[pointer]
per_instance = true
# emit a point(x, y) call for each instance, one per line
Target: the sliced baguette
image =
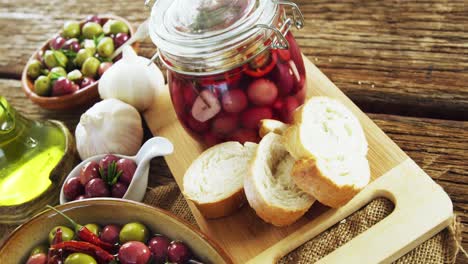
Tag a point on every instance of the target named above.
point(323, 127)
point(330, 147)
point(215, 180)
point(271, 125)
point(269, 187)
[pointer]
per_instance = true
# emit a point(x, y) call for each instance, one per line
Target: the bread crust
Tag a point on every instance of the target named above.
point(223, 207)
point(312, 180)
point(270, 125)
point(277, 216)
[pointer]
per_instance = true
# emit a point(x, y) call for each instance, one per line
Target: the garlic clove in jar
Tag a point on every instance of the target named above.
point(206, 106)
point(110, 126)
point(132, 81)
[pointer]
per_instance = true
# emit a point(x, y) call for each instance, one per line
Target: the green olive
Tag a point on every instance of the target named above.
point(74, 75)
point(115, 26)
point(90, 67)
point(105, 47)
point(80, 258)
point(42, 86)
point(89, 45)
point(71, 29)
point(96, 229)
point(81, 56)
point(91, 30)
point(57, 72)
point(133, 232)
point(39, 249)
point(54, 58)
point(34, 69)
point(67, 233)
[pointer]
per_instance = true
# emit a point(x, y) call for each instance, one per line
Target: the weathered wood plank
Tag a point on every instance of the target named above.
point(440, 147)
point(399, 57)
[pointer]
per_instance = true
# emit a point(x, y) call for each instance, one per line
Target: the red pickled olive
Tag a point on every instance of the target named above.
point(251, 117)
point(260, 66)
point(210, 139)
point(190, 94)
point(290, 104)
point(284, 78)
point(234, 101)
point(177, 95)
point(224, 124)
point(40, 258)
point(196, 125)
point(262, 92)
point(245, 135)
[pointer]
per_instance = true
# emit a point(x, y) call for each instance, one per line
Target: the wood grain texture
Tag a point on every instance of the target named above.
point(438, 146)
point(396, 57)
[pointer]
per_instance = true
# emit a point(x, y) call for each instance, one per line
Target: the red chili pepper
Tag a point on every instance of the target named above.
point(265, 67)
point(58, 236)
point(99, 253)
point(85, 234)
point(55, 256)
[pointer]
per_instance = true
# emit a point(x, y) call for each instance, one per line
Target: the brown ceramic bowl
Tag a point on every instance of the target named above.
point(17, 247)
point(84, 96)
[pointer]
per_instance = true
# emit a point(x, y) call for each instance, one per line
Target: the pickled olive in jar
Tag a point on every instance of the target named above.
point(236, 73)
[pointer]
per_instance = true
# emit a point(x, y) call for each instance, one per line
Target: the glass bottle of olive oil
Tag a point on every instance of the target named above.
point(29, 151)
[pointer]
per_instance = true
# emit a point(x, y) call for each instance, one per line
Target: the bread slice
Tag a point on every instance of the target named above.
point(330, 147)
point(323, 127)
point(269, 187)
point(215, 180)
point(271, 125)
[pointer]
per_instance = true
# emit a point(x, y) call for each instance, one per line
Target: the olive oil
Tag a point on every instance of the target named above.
point(29, 151)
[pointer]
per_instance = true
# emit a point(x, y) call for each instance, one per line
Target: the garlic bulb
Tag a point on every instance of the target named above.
point(110, 126)
point(131, 80)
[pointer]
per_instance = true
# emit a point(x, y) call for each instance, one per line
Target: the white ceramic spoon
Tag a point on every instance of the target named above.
point(140, 34)
point(155, 147)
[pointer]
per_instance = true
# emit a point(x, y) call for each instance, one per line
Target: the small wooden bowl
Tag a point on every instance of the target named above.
point(84, 96)
point(102, 211)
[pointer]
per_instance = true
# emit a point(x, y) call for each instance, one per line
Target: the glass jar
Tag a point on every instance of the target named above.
point(231, 63)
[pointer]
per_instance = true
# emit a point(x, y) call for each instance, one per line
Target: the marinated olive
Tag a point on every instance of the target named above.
point(115, 27)
point(89, 45)
point(105, 47)
point(71, 29)
point(134, 232)
point(72, 44)
point(90, 67)
point(80, 258)
point(39, 249)
point(57, 72)
point(34, 69)
point(54, 58)
point(91, 30)
point(42, 86)
point(40, 258)
point(74, 75)
point(81, 56)
point(67, 233)
point(94, 228)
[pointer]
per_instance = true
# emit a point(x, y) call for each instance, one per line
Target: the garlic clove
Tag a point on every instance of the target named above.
point(206, 106)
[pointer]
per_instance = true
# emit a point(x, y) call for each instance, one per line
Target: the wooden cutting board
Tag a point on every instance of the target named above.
point(422, 208)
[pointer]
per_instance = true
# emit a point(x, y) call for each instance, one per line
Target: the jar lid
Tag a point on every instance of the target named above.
point(205, 35)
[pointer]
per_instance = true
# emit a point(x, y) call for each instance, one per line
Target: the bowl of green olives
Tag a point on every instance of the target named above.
point(64, 73)
point(106, 230)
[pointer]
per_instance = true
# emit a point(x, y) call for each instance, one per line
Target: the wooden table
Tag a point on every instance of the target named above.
point(403, 62)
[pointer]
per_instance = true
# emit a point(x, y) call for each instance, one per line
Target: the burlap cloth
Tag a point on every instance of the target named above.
point(442, 248)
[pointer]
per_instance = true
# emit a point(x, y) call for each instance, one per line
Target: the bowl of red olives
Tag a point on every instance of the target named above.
point(108, 231)
point(64, 73)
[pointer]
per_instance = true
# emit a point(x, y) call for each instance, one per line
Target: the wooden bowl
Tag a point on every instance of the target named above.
point(84, 96)
point(18, 245)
